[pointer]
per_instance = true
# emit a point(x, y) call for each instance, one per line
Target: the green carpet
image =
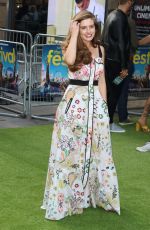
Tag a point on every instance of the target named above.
point(24, 156)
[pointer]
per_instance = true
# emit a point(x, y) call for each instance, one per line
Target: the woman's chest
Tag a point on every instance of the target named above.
point(95, 69)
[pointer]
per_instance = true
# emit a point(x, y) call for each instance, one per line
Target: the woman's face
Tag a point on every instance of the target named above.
point(87, 30)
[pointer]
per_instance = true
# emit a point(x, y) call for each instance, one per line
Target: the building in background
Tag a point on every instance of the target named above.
point(31, 16)
point(42, 16)
point(27, 15)
point(38, 16)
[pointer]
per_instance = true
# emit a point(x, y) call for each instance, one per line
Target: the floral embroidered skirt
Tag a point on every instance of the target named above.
point(81, 171)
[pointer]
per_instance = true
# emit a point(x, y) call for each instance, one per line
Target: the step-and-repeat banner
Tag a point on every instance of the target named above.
point(8, 68)
point(54, 73)
point(141, 60)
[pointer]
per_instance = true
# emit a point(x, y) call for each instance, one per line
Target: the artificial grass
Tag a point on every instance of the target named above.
point(24, 156)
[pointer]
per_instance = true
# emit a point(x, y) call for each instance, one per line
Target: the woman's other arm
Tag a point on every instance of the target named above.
point(102, 82)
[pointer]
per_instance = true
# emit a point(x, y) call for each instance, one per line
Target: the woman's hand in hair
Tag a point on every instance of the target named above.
point(70, 53)
point(74, 28)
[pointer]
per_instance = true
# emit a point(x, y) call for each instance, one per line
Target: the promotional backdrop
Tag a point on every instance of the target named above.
point(8, 69)
point(54, 72)
point(141, 60)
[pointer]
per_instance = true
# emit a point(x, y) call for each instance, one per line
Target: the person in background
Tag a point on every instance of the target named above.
point(122, 109)
point(22, 10)
point(93, 6)
point(116, 41)
point(81, 171)
point(144, 148)
point(141, 124)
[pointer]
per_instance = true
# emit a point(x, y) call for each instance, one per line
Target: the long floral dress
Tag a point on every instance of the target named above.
point(81, 171)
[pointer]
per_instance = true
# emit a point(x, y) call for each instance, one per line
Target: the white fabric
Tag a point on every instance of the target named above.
point(95, 8)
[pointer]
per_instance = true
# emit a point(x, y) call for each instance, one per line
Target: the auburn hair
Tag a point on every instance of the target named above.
point(83, 55)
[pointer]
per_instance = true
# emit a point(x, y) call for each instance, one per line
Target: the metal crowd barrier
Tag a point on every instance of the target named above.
point(8, 99)
point(41, 106)
point(142, 93)
point(17, 36)
point(13, 82)
point(48, 39)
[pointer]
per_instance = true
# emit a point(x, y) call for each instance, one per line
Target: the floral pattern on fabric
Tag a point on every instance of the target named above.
point(81, 171)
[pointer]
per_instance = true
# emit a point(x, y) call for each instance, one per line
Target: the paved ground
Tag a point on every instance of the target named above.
point(10, 119)
point(15, 122)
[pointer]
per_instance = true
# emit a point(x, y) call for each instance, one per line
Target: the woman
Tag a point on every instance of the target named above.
point(81, 171)
point(141, 124)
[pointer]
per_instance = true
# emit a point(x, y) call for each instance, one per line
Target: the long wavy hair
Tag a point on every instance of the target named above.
point(83, 55)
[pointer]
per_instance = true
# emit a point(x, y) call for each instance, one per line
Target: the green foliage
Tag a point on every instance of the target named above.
point(24, 156)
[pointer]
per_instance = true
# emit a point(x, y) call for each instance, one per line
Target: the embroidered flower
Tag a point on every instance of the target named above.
point(77, 101)
point(79, 110)
point(60, 197)
point(78, 116)
point(76, 185)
